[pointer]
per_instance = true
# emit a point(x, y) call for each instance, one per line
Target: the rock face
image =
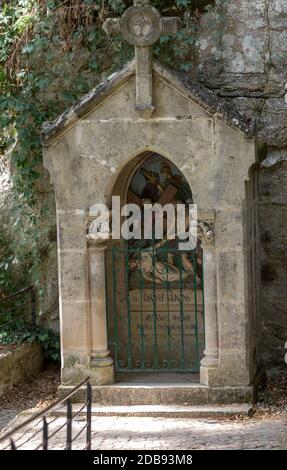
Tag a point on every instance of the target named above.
point(273, 216)
point(244, 60)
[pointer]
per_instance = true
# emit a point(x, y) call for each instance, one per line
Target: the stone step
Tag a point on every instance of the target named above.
point(161, 411)
point(123, 394)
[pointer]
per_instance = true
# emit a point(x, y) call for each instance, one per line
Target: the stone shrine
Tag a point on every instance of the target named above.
point(149, 132)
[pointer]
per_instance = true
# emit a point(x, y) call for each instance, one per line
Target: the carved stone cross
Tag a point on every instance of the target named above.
point(142, 25)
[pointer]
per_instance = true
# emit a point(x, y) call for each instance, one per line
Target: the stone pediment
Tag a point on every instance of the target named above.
point(179, 81)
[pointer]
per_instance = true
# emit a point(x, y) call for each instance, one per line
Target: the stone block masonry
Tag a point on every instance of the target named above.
point(18, 364)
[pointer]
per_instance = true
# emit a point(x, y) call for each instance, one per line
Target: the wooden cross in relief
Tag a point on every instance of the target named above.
point(142, 25)
point(166, 197)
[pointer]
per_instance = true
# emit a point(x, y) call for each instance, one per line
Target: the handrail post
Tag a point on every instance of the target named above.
point(43, 414)
point(45, 434)
point(12, 445)
point(89, 417)
point(33, 309)
point(69, 425)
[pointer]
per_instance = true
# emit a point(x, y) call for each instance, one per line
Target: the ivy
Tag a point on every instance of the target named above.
point(37, 37)
point(48, 340)
point(51, 53)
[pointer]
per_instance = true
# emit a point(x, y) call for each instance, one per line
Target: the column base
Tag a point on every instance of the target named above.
point(100, 370)
point(209, 375)
point(209, 367)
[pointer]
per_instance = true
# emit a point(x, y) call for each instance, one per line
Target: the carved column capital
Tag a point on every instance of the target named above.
point(96, 242)
point(98, 231)
point(205, 228)
point(205, 232)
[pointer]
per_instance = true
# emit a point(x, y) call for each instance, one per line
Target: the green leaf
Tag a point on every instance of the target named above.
point(93, 64)
point(43, 337)
point(29, 48)
point(31, 339)
point(42, 83)
point(165, 38)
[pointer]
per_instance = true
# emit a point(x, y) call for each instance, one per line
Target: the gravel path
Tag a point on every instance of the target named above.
point(267, 429)
point(114, 433)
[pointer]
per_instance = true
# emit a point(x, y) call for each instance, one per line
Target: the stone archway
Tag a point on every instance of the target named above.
point(85, 151)
point(154, 326)
point(168, 308)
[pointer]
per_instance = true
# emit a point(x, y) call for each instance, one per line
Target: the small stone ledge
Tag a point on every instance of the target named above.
point(165, 394)
point(17, 364)
point(161, 411)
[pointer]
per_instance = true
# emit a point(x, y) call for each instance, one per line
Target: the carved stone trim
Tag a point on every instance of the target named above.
point(205, 228)
point(205, 233)
point(96, 242)
point(141, 25)
point(94, 236)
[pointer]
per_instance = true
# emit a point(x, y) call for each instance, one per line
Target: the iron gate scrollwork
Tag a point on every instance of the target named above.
point(158, 313)
point(156, 321)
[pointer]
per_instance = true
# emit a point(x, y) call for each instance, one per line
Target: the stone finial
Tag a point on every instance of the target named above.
point(142, 25)
point(141, 2)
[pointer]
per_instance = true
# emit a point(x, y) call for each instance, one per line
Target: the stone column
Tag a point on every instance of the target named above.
point(101, 362)
point(210, 362)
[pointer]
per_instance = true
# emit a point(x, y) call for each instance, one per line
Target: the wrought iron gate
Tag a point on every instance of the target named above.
point(157, 319)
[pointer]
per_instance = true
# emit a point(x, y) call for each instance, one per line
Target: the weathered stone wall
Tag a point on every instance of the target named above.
point(273, 217)
point(244, 60)
point(18, 364)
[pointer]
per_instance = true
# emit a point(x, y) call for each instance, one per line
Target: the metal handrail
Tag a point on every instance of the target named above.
point(8, 323)
point(43, 412)
point(16, 318)
point(16, 293)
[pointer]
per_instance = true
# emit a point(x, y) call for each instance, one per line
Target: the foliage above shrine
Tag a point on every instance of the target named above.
point(51, 53)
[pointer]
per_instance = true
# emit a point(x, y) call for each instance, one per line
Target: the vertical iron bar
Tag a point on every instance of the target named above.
point(141, 284)
point(69, 426)
point(154, 309)
point(168, 319)
point(89, 417)
point(45, 434)
point(126, 253)
point(12, 445)
point(182, 352)
point(195, 306)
